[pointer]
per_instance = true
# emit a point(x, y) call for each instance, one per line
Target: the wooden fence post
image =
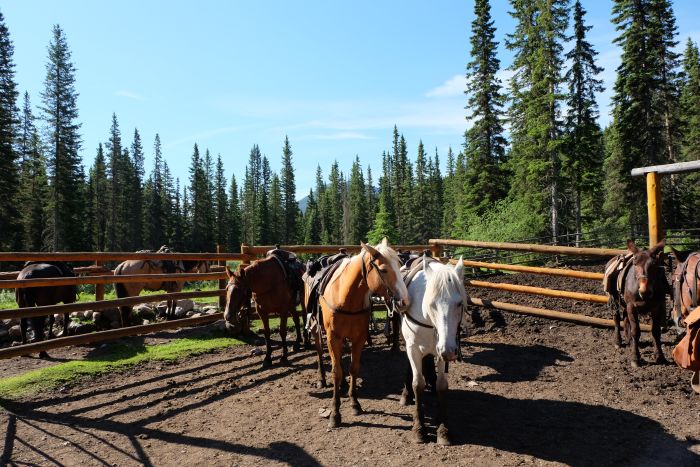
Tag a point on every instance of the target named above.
point(654, 208)
point(245, 325)
point(99, 288)
point(222, 282)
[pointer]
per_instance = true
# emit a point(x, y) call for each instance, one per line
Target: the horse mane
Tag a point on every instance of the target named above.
point(442, 282)
point(388, 253)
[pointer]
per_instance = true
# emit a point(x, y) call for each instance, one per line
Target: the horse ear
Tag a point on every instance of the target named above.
point(229, 274)
point(680, 256)
point(631, 246)
point(426, 269)
point(369, 249)
point(385, 241)
point(659, 247)
point(459, 267)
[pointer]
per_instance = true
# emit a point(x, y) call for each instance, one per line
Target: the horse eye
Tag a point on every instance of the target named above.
point(383, 270)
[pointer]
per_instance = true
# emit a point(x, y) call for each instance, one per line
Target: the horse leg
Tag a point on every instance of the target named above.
point(657, 316)
point(616, 320)
point(633, 326)
point(23, 324)
point(297, 328)
point(305, 332)
point(418, 383)
point(354, 373)
point(283, 335)
point(442, 386)
point(267, 362)
point(407, 396)
point(395, 332)
point(319, 350)
point(52, 320)
point(65, 325)
point(335, 348)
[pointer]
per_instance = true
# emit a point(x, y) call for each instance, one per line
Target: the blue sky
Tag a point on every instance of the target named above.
point(334, 76)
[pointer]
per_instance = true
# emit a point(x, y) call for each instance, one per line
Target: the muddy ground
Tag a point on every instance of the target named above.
point(529, 391)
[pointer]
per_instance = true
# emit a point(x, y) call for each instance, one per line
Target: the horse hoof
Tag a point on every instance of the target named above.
point(267, 363)
point(405, 401)
point(334, 422)
point(284, 361)
point(296, 347)
point(443, 438)
point(661, 360)
point(357, 410)
point(321, 385)
point(419, 435)
point(43, 354)
point(635, 364)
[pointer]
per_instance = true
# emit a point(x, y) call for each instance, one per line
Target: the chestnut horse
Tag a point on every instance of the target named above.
point(686, 285)
point(264, 281)
point(346, 307)
point(644, 290)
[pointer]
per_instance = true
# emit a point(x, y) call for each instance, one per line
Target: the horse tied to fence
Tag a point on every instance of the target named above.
point(637, 282)
point(42, 296)
point(345, 308)
point(430, 328)
point(274, 283)
point(148, 266)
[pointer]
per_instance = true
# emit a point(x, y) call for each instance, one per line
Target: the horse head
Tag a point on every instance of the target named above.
point(237, 293)
point(387, 279)
point(645, 266)
point(444, 301)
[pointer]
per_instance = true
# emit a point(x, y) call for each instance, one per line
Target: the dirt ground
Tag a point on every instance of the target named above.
point(529, 391)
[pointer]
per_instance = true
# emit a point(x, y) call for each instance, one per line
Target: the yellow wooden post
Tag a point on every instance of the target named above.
point(654, 208)
point(222, 282)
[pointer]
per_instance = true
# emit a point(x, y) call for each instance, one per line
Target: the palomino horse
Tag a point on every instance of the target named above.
point(346, 306)
point(41, 296)
point(686, 285)
point(643, 290)
point(430, 327)
point(130, 289)
point(266, 282)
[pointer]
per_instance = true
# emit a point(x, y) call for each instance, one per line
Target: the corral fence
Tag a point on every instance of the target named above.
point(99, 275)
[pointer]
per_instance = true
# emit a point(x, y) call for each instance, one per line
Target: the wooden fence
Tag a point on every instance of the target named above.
point(99, 276)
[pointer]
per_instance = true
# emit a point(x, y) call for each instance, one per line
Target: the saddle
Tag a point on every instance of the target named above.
point(414, 265)
point(318, 275)
point(292, 268)
point(682, 277)
point(166, 266)
point(614, 277)
point(687, 353)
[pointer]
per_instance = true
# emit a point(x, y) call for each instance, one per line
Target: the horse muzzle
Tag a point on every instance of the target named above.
point(449, 356)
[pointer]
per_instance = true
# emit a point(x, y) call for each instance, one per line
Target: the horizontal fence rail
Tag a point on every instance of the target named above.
point(120, 256)
point(533, 248)
point(585, 297)
point(309, 249)
point(104, 304)
point(100, 336)
point(533, 270)
point(58, 281)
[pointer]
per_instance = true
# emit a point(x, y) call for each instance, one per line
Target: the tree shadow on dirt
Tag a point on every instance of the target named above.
point(573, 433)
point(515, 363)
point(217, 387)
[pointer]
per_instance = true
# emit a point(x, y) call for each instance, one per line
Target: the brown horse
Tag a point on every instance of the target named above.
point(346, 307)
point(265, 281)
point(42, 296)
point(644, 289)
point(131, 289)
point(686, 285)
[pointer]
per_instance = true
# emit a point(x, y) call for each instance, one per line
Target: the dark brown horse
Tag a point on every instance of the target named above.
point(266, 283)
point(42, 296)
point(643, 290)
point(686, 285)
point(131, 289)
point(346, 306)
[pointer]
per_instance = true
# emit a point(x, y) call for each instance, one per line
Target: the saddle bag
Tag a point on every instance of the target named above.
point(687, 353)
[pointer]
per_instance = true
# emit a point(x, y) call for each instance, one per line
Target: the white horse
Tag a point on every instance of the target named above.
point(430, 327)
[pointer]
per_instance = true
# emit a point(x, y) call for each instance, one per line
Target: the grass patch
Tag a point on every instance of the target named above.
point(118, 356)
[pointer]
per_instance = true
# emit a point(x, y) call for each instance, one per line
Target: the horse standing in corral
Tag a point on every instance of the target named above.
point(164, 266)
point(686, 285)
point(640, 287)
point(345, 309)
point(430, 328)
point(268, 283)
point(42, 296)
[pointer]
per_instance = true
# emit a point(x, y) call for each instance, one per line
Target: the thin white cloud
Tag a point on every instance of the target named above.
point(130, 95)
point(451, 88)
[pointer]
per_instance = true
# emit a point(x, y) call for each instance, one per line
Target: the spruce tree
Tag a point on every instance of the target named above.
point(312, 221)
point(198, 192)
point(277, 213)
point(99, 189)
point(290, 205)
point(263, 205)
point(234, 217)
point(421, 200)
point(154, 212)
point(60, 112)
point(690, 124)
point(136, 192)
point(484, 142)
point(221, 205)
point(584, 151)
point(10, 220)
point(357, 206)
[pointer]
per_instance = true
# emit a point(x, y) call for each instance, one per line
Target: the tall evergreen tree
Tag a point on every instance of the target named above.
point(10, 220)
point(484, 142)
point(99, 189)
point(60, 112)
point(234, 213)
point(199, 191)
point(290, 205)
point(312, 221)
point(690, 124)
point(535, 105)
point(584, 151)
point(117, 201)
point(221, 205)
point(154, 211)
point(358, 221)
point(276, 212)
point(136, 192)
